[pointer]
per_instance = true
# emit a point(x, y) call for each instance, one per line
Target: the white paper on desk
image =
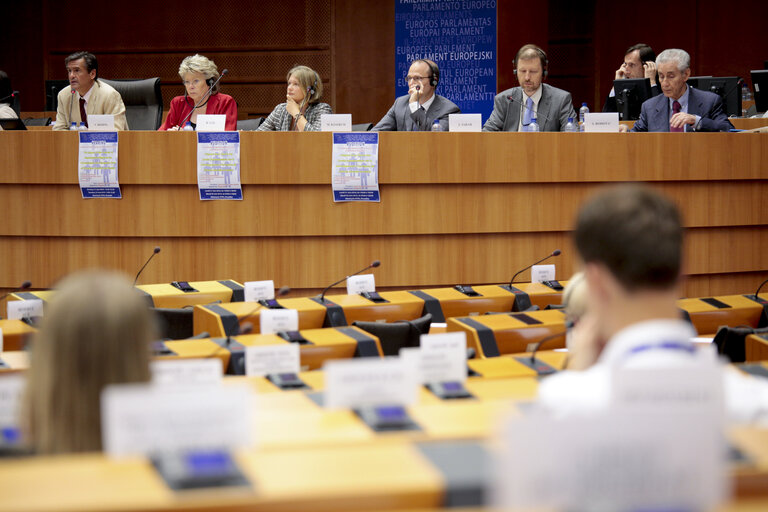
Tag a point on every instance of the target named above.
point(259, 290)
point(278, 320)
point(143, 419)
point(101, 123)
point(541, 273)
point(97, 165)
point(465, 122)
point(11, 392)
point(262, 360)
point(443, 357)
point(601, 122)
point(336, 123)
point(186, 371)
point(211, 122)
point(369, 382)
point(19, 309)
point(361, 283)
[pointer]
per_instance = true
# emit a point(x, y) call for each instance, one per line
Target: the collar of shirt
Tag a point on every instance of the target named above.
point(536, 97)
point(683, 100)
point(87, 96)
point(644, 336)
point(415, 105)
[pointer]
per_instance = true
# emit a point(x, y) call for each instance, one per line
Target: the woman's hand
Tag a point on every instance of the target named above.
point(291, 106)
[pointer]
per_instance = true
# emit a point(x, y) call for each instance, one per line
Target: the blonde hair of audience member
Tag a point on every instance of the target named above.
point(575, 298)
point(96, 332)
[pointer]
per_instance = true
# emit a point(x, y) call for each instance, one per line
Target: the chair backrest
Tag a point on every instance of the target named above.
point(362, 127)
point(143, 102)
point(396, 335)
point(174, 323)
point(249, 124)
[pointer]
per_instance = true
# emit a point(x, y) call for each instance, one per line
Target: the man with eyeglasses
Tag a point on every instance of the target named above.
point(421, 107)
point(639, 62)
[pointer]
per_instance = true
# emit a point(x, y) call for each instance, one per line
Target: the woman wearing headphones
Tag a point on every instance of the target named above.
point(199, 73)
point(302, 109)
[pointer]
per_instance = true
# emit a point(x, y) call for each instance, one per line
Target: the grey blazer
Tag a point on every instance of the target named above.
point(655, 113)
point(555, 107)
point(280, 120)
point(400, 119)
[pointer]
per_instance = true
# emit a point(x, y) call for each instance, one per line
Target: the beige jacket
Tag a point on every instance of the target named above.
point(104, 99)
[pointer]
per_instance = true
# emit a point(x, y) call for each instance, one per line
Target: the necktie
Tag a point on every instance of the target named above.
point(83, 115)
point(420, 119)
point(675, 109)
point(527, 114)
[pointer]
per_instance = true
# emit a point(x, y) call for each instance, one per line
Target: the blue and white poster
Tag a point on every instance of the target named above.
point(355, 173)
point(460, 36)
point(97, 165)
point(218, 165)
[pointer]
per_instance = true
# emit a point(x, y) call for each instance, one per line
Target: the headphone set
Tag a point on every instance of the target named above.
point(542, 57)
point(313, 87)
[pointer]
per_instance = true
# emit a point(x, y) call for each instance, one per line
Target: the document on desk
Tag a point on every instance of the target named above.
point(355, 174)
point(97, 165)
point(218, 165)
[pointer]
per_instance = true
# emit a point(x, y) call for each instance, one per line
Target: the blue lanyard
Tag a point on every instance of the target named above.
point(666, 345)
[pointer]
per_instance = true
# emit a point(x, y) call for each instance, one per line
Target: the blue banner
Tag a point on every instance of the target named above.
point(460, 36)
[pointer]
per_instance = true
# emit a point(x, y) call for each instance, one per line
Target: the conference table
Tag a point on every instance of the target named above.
point(456, 208)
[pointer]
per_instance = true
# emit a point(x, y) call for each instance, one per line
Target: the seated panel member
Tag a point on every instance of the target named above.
point(6, 98)
point(87, 95)
point(418, 110)
point(198, 74)
point(639, 62)
point(514, 108)
point(680, 108)
point(302, 108)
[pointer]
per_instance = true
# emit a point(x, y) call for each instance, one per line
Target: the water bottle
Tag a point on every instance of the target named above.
point(82, 127)
point(188, 127)
point(436, 126)
point(582, 112)
point(746, 95)
point(534, 126)
point(571, 126)
point(73, 126)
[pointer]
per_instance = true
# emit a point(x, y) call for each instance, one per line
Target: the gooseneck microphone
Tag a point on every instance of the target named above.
point(247, 328)
point(513, 100)
point(23, 286)
point(204, 99)
point(542, 341)
point(758, 289)
point(556, 252)
point(72, 97)
point(375, 264)
point(12, 95)
point(157, 250)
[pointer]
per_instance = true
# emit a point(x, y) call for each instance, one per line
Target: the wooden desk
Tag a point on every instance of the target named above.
point(707, 318)
point(220, 320)
point(15, 334)
point(756, 348)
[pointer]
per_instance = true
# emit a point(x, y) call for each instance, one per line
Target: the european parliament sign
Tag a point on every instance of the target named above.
point(460, 36)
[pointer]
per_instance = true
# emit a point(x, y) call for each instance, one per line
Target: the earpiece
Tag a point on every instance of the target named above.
point(435, 78)
point(313, 88)
point(209, 81)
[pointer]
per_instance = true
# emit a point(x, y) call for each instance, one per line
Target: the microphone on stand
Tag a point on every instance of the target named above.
point(157, 250)
point(513, 100)
point(247, 328)
point(374, 264)
point(72, 96)
point(204, 99)
point(757, 298)
point(23, 286)
point(556, 252)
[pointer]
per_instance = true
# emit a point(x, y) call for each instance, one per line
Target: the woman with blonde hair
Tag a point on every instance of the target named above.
point(96, 331)
point(302, 108)
point(198, 74)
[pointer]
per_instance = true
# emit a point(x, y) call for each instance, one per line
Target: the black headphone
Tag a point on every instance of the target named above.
point(435, 78)
point(542, 57)
point(209, 81)
point(313, 87)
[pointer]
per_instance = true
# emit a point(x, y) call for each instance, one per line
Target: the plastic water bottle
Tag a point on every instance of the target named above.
point(82, 127)
point(582, 112)
point(534, 126)
point(571, 126)
point(436, 126)
point(73, 126)
point(188, 127)
point(746, 95)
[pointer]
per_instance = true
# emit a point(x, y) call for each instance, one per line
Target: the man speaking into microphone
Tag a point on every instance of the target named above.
point(421, 107)
point(515, 109)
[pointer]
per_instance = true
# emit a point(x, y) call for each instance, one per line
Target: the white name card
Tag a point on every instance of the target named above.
point(261, 360)
point(443, 357)
point(360, 284)
point(101, 123)
point(211, 122)
point(541, 273)
point(186, 371)
point(359, 383)
point(336, 122)
point(11, 392)
point(465, 122)
point(142, 419)
point(1, 340)
point(18, 309)
point(259, 290)
point(597, 122)
point(277, 320)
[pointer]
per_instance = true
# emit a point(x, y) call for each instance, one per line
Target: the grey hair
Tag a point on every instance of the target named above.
point(674, 54)
point(199, 64)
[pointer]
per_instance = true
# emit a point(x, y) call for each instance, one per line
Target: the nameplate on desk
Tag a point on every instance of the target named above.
point(277, 320)
point(11, 393)
point(19, 309)
point(601, 122)
point(259, 290)
point(186, 371)
point(360, 284)
point(262, 360)
point(211, 122)
point(464, 122)
point(440, 358)
point(1, 340)
point(361, 383)
point(143, 419)
point(336, 122)
point(541, 273)
point(101, 123)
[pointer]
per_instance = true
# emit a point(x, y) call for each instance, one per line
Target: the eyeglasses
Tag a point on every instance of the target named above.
point(196, 81)
point(416, 78)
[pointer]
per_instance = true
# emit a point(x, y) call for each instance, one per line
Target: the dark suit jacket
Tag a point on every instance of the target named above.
point(400, 119)
point(655, 113)
point(555, 107)
point(610, 101)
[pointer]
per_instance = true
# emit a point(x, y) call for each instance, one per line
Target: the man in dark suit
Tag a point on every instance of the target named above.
point(418, 110)
point(639, 62)
point(680, 107)
point(514, 109)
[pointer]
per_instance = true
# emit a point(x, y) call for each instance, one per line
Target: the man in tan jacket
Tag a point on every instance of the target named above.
point(87, 95)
